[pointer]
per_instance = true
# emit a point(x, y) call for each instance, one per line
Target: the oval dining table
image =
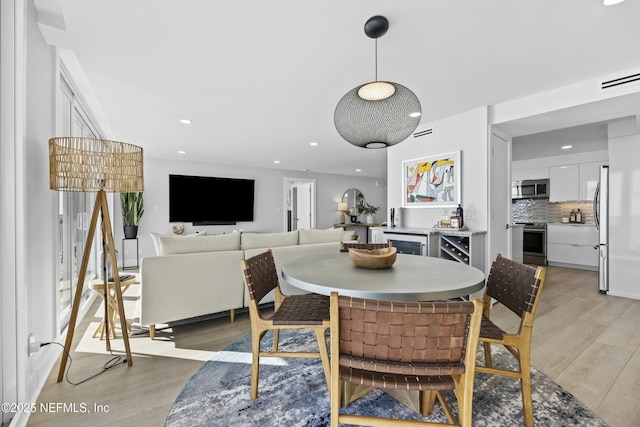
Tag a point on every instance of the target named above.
point(411, 278)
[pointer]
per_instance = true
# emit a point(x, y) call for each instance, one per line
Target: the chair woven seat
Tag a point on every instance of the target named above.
point(401, 368)
point(488, 329)
point(310, 309)
point(396, 381)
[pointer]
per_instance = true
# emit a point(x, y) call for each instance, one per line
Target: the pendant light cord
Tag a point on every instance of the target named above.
point(376, 57)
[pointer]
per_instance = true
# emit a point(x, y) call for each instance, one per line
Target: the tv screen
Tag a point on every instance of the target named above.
point(206, 200)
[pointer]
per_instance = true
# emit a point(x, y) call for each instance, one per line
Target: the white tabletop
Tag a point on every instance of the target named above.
point(411, 278)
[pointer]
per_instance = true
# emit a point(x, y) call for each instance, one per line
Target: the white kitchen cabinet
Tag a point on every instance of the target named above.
point(589, 175)
point(572, 245)
point(563, 181)
point(531, 173)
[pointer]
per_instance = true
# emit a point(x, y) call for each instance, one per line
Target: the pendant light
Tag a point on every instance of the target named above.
point(377, 114)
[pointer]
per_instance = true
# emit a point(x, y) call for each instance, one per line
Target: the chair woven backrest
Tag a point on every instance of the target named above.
point(344, 247)
point(260, 275)
point(513, 284)
point(382, 335)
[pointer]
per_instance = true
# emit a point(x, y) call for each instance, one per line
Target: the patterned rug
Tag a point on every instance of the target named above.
point(293, 392)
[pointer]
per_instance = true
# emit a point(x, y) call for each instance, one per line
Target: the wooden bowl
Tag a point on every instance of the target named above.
point(376, 258)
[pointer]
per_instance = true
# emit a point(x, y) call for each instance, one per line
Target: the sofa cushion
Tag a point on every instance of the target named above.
point(308, 237)
point(156, 238)
point(269, 240)
point(172, 245)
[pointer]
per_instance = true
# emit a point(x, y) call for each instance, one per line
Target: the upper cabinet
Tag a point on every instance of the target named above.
point(589, 178)
point(575, 182)
point(531, 173)
point(563, 181)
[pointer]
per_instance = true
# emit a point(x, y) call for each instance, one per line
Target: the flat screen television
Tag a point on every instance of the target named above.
point(205, 200)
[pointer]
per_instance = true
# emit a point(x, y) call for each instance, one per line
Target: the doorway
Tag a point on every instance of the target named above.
point(499, 194)
point(299, 203)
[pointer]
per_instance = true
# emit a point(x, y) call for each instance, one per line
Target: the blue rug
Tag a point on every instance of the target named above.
point(293, 392)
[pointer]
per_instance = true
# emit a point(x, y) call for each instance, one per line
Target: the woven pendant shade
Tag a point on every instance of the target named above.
point(91, 165)
point(378, 123)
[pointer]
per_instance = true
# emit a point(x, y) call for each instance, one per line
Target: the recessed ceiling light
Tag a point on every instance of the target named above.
point(358, 170)
point(182, 152)
point(313, 144)
point(276, 161)
point(566, 147)
point(611, 2)
point(185, 121)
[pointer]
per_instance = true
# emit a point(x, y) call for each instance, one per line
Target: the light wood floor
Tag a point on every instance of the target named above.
point(587, 342)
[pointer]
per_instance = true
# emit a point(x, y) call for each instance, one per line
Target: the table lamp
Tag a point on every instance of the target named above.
point(99, 166)
point(342, 208)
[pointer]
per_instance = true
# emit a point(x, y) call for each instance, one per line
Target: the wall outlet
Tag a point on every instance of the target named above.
point(34, 346)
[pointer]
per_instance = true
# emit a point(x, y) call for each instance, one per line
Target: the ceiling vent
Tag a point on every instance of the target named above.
point(617, 82)
point(423, 132)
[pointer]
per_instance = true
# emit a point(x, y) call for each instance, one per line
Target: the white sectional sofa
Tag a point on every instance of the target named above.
point(200, 274)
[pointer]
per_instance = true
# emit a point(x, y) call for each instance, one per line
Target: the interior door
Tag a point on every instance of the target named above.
point(303, 205)
point(499, 195)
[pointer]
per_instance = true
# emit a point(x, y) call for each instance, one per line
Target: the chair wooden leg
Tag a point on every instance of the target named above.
point(487, 355)
point(232, 314)
point(324, 355)
point(276, 339)
point(525, 381)
point(255, 363)
point(152, 331)
point(428, 400)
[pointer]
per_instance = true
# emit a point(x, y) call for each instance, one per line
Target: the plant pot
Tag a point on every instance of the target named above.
point(369, 219)
point(130, 231)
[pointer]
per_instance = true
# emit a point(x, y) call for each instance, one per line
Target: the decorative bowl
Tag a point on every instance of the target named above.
point(375, 258)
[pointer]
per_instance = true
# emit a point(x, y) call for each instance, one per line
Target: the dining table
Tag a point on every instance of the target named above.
point(410, 278)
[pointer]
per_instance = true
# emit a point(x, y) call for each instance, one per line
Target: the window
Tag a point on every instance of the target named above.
point(74, 209)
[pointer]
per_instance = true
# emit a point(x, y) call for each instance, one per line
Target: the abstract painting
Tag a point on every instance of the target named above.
point(432, 181)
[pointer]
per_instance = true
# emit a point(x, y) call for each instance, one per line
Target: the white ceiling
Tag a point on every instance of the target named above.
point(260, 79)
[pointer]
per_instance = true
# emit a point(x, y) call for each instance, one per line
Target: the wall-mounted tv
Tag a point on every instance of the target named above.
point(205, 200)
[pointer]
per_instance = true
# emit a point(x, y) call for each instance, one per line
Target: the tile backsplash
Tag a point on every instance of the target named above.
point(541, 210)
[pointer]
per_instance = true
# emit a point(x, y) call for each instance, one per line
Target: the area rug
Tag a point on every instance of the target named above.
point(293, 392)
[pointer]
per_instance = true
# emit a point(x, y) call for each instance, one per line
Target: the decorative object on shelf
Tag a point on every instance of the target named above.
point(178, 228)
point(432, 181)
point(95, 165)
point(377, 114)
point(132, 206)
point(369, 210)
point(374, 259)
point(342, 208)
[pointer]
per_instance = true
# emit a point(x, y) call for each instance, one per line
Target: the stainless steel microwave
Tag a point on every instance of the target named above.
point(530, 189)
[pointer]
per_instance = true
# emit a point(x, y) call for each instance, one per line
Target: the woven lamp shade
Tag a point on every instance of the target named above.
point(90, 165)
point(377, 123)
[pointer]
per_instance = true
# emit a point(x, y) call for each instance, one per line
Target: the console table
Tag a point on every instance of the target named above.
point(360, 225)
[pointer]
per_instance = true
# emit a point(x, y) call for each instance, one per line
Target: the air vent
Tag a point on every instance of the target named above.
point(423, 132)
point(633, 78)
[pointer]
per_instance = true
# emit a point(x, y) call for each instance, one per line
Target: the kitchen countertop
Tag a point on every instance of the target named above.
point(426, 231)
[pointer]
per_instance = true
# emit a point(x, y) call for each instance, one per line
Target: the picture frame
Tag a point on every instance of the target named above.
point(432, 181)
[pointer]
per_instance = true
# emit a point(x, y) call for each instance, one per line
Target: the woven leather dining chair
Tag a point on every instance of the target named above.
point(416, 346)
point(517, 286)
point(310, 311)
point(344, 247)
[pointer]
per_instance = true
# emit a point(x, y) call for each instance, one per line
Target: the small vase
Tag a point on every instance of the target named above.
point(130, 231)
point(369, 219)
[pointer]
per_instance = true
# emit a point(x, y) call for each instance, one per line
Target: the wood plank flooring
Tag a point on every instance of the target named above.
point(587, 342)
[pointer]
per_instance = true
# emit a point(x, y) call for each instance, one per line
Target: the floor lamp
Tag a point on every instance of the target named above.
point(95, 166)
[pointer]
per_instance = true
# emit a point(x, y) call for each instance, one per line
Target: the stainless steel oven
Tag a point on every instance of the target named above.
point(534, 243)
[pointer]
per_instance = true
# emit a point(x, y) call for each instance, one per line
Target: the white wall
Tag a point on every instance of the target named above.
point(269, 198)
point(466, 132)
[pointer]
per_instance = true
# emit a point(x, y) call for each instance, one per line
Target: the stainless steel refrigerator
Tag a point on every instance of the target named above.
point(601, 214)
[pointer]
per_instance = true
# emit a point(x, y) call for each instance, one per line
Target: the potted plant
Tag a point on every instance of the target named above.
point(132, 205)
point(369, 210)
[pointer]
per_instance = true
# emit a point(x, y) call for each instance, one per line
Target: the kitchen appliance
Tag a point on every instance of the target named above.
point(601, 214)
point(530, 189)
point(534, 243)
